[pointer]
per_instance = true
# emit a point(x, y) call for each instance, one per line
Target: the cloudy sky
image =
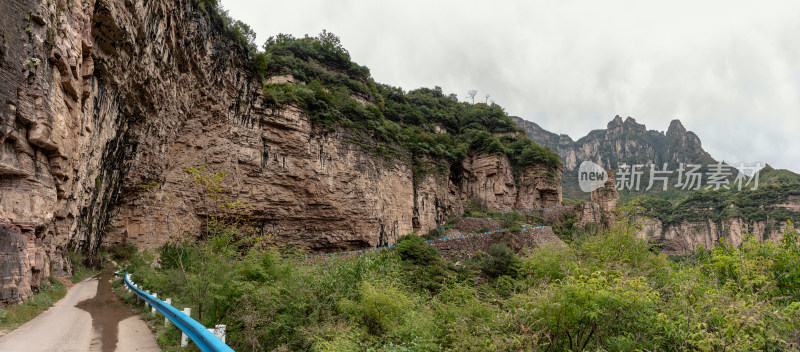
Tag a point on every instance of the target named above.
point(729, 70)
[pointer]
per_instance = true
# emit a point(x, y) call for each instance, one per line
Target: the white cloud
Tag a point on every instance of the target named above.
point(730, 70)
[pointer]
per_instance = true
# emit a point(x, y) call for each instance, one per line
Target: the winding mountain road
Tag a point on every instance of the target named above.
point(89, 318)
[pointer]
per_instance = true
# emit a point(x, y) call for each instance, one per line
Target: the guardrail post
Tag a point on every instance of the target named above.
point(153, 309)
point(204, 338)
point(184, 338)
point(219, 331)
point(146, 305)
point(166, 320)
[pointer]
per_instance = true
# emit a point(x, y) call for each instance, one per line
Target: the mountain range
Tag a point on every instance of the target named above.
point(625, 141)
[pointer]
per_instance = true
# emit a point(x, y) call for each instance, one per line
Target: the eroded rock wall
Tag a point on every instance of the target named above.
point(103, 103)
point(488, 180)
point(687, 236)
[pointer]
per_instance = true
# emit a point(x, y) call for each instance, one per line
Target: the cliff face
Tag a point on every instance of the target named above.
point(489, 181)
point(685, 237)
point(105, 102)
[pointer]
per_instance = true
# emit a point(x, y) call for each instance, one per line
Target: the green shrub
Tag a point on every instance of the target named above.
point(122, 251)
point(379, 307)
point(548, 264)
point(415, 250)
point(606, 292)
point(434, 234)
point(49, 292)
point(500, 260)
point(599, 311)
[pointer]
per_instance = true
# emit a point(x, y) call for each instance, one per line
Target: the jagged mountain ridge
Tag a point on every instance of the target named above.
point(622, 141)
point(686, 219)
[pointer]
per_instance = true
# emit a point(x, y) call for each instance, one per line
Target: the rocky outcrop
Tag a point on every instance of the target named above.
point(103, 104)
point(60, 141)
point(687, 236)
point(489, 181)
point(607, 197)
point(622, 141)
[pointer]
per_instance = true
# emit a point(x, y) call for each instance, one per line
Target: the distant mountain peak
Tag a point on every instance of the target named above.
point(623, 141)
point(676, 127)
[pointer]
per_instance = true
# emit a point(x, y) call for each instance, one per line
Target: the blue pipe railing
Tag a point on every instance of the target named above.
point(204, 339)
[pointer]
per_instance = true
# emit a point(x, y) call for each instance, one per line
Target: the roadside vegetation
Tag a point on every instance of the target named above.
point(609, 291)
point(13, 317)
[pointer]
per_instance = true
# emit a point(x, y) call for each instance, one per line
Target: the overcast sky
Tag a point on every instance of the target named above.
point(729, 70)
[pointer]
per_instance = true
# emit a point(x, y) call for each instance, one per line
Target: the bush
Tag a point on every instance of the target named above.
point(548, 264)
point(14, 316)
point(606, 292)
point(122, 251)
point(500, 260)
point(415, 250)
point(379, 308)
point(599, 311)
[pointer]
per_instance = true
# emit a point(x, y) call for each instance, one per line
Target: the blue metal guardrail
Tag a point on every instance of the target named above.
point(204, 339)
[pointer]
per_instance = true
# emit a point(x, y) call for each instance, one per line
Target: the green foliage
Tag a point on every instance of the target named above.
point(122, 251)
point(598, 311)
point(379, 307)
point(79, 267)
point(435, 233)
point(763, 204)
point(415, 250)
point(568, 229)
point(606, 292)
point(500, 260)
point(436, 129)
point(474, 210)
point(14, 316)
point(547, 264)
point(423, 266)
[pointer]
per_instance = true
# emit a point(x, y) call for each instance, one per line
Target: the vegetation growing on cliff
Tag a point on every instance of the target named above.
point(428, 123)
point(436, 129)
point(606, 292)
point(764, 204)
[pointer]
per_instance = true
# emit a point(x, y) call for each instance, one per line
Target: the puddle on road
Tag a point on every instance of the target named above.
point(107, 311)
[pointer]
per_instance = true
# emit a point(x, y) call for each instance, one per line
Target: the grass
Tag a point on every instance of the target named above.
point(79, 270)
point(49, 293)
point(14, 316)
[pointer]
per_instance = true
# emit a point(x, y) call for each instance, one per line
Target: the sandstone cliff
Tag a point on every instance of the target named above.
point(103, 104)
point(687, 236)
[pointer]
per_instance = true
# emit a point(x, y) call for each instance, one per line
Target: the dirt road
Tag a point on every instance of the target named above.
point(89, 318)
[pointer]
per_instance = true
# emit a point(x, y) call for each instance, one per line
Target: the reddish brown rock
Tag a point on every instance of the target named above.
point(101, 97)
point(607, 196)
